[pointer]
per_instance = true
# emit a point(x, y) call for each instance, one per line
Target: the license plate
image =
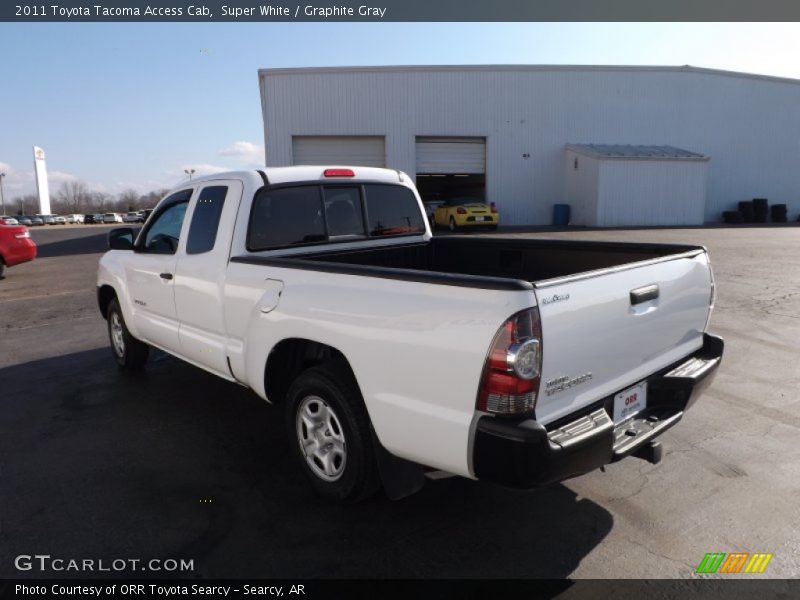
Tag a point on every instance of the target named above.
point(479, 218)
point(629, 402)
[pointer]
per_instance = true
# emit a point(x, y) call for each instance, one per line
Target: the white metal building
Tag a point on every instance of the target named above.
point(612, 186)
point(502, 133)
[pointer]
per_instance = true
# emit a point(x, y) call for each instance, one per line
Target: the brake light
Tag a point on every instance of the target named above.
point(461, 210)
point(512, 373)
point(23, 235)
point(493, 207)
point(339, 173)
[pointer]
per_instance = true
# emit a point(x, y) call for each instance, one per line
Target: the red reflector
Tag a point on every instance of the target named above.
point(339, 173)
point(494, 208)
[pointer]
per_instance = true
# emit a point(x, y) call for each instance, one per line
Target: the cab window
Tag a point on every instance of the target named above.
point(392, 210)
point(164, 231)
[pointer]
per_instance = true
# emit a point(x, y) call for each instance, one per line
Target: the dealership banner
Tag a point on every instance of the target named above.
point(400, 10)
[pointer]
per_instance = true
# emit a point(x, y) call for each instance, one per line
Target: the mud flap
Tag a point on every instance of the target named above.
point(400, 477)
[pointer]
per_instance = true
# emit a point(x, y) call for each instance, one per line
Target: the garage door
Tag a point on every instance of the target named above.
point(437, 155)
point(339, 150)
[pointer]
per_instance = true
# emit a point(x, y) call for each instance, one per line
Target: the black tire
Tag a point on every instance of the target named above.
point(452, 225)
point(129, 352)
point(347, 436)
point(2, 268)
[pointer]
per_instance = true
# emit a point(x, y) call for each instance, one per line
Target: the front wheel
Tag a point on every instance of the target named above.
point(129, 352)
point(329, 427)
point(453, 225)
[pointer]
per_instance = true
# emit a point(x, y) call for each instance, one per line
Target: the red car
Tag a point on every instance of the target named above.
point(16, 246)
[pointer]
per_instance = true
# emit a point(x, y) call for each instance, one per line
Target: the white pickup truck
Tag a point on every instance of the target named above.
point(395, 353)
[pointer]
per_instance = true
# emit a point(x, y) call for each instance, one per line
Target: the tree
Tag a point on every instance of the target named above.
point(127, 200)
point(99, 201)
point(24, 205)
point(73, 197)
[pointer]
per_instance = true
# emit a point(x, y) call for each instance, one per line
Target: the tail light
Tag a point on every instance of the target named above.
point(493, 207)
point(461, 210)
point(512, 373)
point(338, 173)
point(22, 235)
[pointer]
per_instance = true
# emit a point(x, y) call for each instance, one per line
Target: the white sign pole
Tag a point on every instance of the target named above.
point(41, 181)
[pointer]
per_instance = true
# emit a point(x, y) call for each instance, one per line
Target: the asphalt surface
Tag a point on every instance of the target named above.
point(175, 463)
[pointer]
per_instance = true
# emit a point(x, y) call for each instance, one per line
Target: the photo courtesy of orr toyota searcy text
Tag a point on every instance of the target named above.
point(160, 591)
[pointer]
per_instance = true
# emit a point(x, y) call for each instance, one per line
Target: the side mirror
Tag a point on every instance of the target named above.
point(121, 238)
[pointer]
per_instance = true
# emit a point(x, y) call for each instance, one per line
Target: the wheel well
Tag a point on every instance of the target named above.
point(105, 294)
point(291, 357)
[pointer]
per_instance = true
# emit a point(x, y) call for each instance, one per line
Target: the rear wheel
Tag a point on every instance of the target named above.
point(129, 352)
point(2, 268)
point(329, 427)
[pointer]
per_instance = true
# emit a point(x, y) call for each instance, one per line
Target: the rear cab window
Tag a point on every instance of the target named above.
point(300, 215)
point(205, 219)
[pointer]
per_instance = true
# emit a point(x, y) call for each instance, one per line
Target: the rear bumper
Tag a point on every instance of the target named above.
point(525, 454)
point(20, 251)
point(472, 220)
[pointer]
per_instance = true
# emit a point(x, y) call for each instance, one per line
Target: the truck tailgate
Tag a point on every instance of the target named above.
point(605, 331)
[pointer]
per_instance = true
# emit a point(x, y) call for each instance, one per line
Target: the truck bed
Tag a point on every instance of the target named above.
point(498, 263)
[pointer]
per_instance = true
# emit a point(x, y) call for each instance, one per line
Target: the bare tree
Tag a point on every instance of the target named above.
point(73, 197)
point(100, 201)
point(24, 205)
point(127, 200)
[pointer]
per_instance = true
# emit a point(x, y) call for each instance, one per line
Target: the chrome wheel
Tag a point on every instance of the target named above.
point(117, 334)
point(321, 438)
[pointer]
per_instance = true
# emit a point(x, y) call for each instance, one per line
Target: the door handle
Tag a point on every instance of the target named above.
point(166, 276)
point(643, 294)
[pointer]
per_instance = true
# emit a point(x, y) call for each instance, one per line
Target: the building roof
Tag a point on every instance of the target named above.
point(627, 151)
point(526, 68)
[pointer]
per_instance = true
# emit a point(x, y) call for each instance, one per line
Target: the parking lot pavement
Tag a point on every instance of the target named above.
point(95, 463)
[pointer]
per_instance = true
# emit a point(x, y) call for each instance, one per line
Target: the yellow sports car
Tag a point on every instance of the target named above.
point(466, 212)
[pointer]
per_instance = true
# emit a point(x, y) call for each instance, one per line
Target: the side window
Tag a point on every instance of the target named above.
point(343, 212)
point(392, 210)
point(205, 219)
point(286, 217)
point(163, 234)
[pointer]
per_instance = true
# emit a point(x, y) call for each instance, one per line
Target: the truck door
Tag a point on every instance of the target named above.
point(151, 273)
point(200, 274)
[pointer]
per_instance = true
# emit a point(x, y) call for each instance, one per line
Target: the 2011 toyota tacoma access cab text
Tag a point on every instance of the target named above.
point(395, 353)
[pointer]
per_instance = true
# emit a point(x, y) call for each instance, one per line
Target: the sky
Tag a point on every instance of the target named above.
point(131, 105)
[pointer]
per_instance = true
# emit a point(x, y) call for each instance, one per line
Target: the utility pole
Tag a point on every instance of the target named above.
point(189, 172)
point(2, 197)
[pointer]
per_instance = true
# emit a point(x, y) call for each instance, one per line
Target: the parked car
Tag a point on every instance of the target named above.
point(47, 219)
point(131, 217)
point(59, 220)
point(7, 220)
point(16, 246)
point(112, 218)
point(430, 208)
point(519, 361)
point(455, 213)
point(99, 218)
point(74, 218)
point(88, 219)
point(35, 220)
point(146, 214)
point(23, 220)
